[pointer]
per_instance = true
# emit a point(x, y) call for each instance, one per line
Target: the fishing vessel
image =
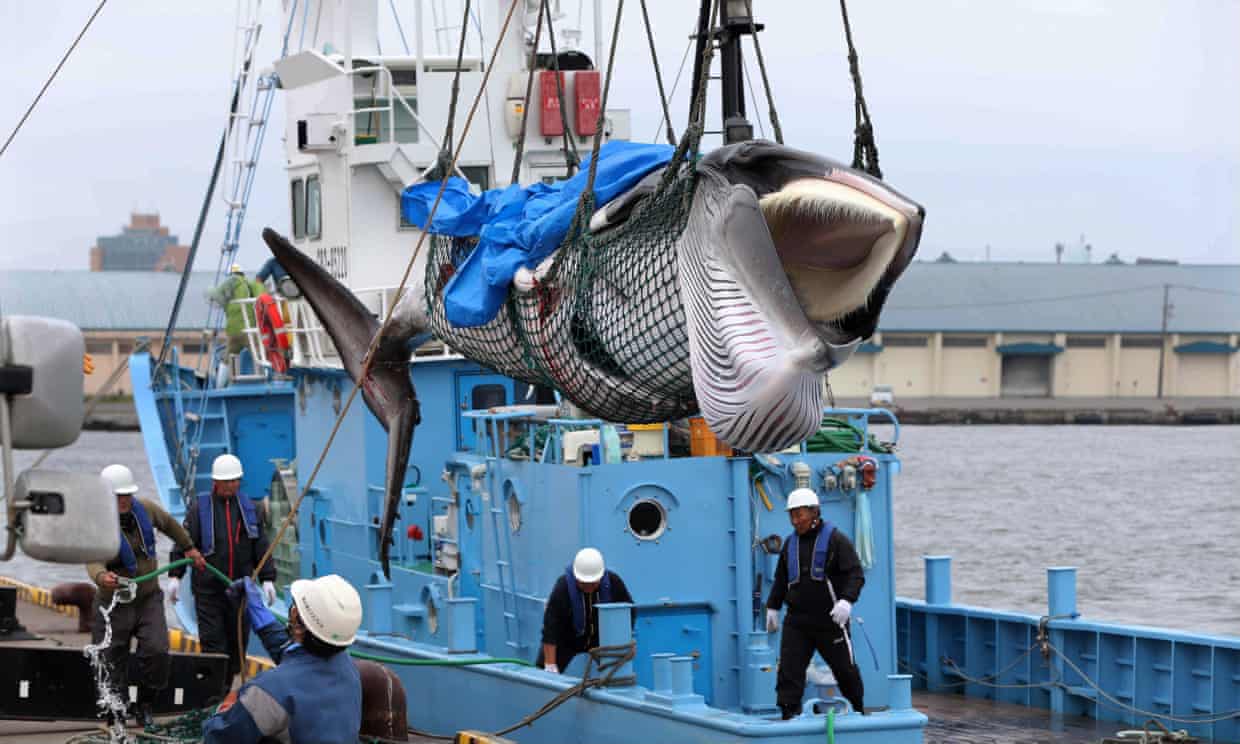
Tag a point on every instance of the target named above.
point(505, 481)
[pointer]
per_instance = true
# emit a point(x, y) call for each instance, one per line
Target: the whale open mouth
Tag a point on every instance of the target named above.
point(792, 259)
point(836, 243)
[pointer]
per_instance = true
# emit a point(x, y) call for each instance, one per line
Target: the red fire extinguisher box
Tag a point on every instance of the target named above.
point(550, 122)
point(589, 100)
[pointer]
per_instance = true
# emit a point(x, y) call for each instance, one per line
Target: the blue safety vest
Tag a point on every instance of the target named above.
point(578, 603)
point(205, 540)
point(818, 565)
point(148, 538)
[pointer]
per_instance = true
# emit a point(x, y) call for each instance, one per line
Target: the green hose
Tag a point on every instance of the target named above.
point(355, 654)
point(177, 564)
point(435, 662)
point(830, 725)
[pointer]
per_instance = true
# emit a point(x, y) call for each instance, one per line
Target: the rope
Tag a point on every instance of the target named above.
point(525, 108)
point(865, 150)
point(456, 86)
point(679, 73)
point(574, 159)
point(658, 76)
point(766, 83)
point(52, 77)
point(368, 360)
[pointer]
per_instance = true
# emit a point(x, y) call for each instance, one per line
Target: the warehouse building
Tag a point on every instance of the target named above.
point(116, 311)
point(988, 330)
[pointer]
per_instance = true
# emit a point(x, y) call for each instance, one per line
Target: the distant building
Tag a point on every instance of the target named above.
point(989, 330)
point(116, 310)
point(144, 245)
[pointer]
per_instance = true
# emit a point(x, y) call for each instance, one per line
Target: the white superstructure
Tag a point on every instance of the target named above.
point(362, 125)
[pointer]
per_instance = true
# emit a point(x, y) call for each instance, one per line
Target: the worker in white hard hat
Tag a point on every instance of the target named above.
point(143, 617)
point(315, 693)
point(819, 578)
point(225, 524)
point(570, 622)
point(228, 295)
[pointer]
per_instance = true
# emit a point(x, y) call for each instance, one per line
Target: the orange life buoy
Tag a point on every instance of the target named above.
point(271, 326)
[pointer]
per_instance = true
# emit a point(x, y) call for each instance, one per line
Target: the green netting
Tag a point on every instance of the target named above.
point(605, 326)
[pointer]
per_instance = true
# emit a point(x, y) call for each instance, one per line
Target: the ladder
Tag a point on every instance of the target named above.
point(504, 570)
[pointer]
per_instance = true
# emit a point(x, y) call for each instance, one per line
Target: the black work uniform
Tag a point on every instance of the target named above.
point(559, 627)
point(235, 554)
point(808, 626)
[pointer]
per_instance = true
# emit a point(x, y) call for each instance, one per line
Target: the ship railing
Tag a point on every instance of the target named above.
point(311, 346)
point(391, 96)
point(498, 430)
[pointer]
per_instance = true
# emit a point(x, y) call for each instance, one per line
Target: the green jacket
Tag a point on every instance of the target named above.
point(163, 522)
point(236, 287)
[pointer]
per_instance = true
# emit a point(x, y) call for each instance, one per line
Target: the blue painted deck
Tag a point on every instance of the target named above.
point(1058, 662)
point(495, 530)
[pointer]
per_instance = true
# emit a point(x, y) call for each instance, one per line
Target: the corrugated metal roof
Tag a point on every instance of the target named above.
point(106, 300)
point(1069, 298)
point(1009, 297)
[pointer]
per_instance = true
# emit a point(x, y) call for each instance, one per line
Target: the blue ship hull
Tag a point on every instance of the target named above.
point(497, 530)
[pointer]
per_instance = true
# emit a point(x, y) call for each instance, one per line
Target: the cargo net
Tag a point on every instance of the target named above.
point(604, 326)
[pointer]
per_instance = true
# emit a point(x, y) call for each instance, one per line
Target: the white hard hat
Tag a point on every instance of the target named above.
point(120, 480)
point(226, 468)
point(802, 497)
point(236, 269)
point(329, 607)
point(588, 565)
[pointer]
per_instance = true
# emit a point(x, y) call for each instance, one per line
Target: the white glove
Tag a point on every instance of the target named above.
point(174, 589)
point(552, 668)
point(269, 592)
point(772, 621)
point(841, 612)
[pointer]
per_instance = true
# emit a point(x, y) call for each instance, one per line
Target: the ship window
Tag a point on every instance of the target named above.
point(488, 396)
point(314, 208)
point(478, 175)
point(647, 519)
point(299, 209)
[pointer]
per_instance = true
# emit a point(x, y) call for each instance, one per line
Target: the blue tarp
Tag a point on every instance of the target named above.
point(518, 226)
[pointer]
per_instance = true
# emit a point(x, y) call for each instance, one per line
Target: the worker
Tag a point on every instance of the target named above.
point(228, 295)
point(315, 693)
point(225, 524)
point(280, 280)
point(819, 577)
point(143, 617)
point(570, 622)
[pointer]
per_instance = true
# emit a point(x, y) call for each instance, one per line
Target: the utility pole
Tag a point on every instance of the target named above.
point(1162, 346)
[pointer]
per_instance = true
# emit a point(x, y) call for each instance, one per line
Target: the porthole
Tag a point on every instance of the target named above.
point(647, 519)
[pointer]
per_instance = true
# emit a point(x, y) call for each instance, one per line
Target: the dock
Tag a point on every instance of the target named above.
point(1051, 411)
point(953, 719)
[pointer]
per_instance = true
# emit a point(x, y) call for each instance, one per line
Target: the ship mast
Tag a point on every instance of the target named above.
point(735, 21)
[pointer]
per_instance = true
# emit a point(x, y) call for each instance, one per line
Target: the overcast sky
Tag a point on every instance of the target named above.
point(1017, 124)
